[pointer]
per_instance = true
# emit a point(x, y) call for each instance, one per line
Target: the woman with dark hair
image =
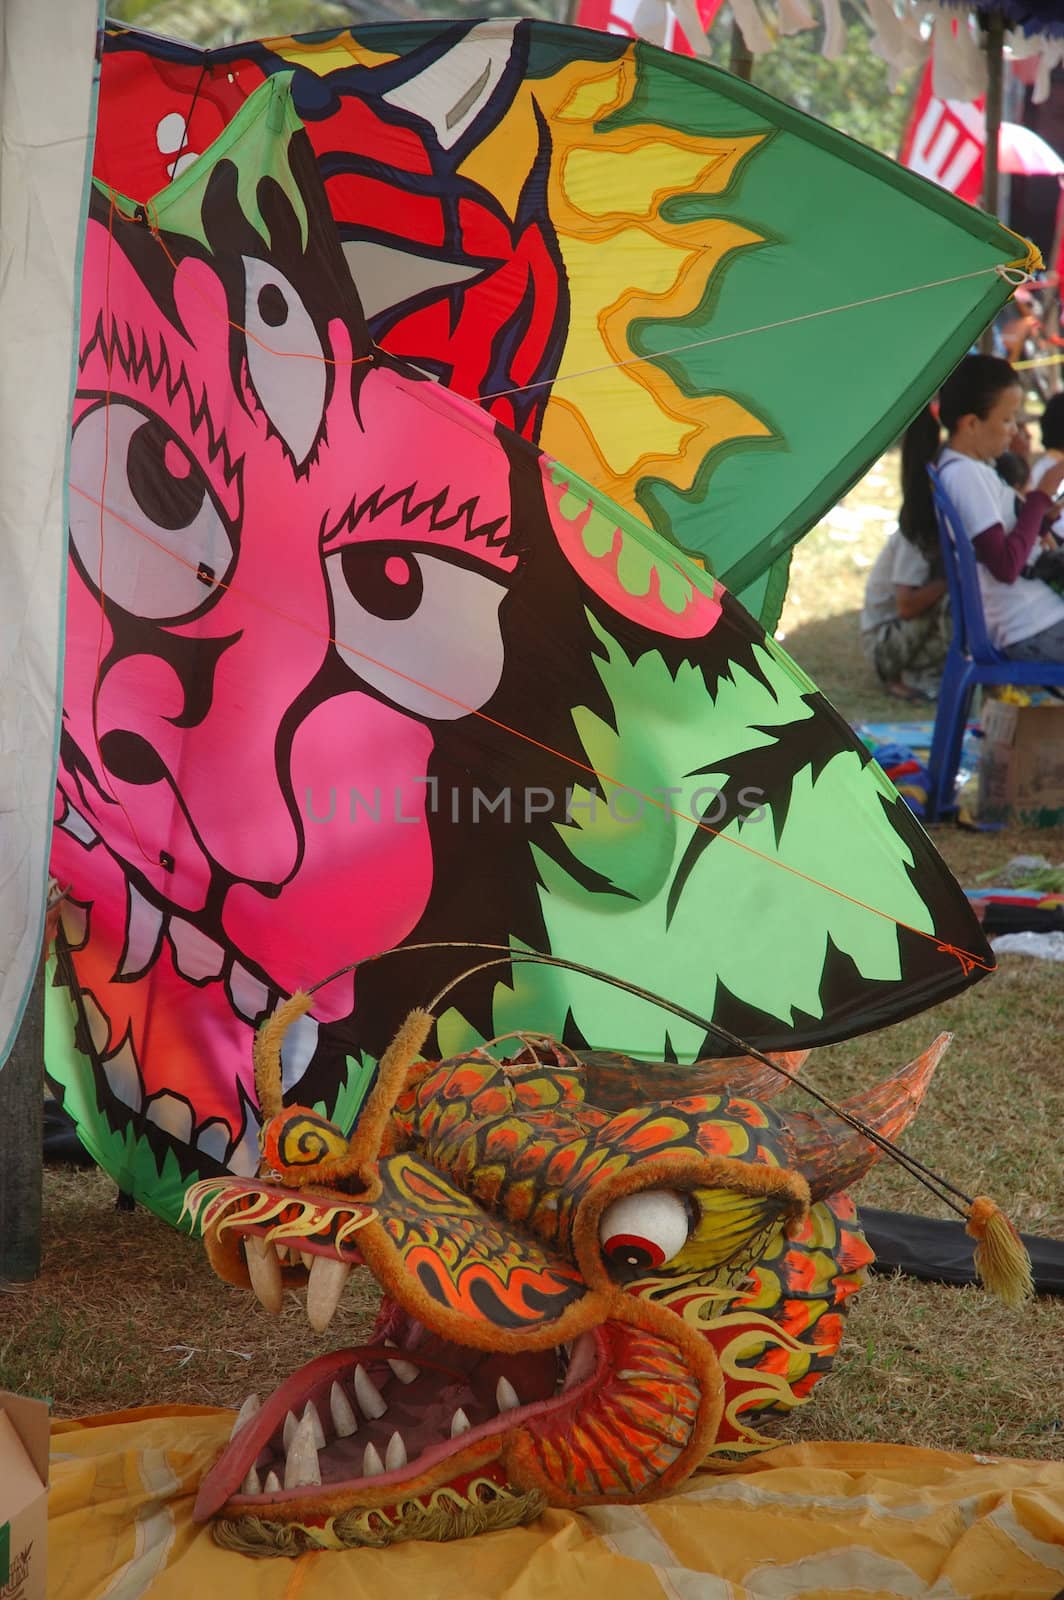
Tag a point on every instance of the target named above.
point(979, 405)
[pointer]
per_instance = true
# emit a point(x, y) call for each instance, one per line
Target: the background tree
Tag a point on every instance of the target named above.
point(852, 93)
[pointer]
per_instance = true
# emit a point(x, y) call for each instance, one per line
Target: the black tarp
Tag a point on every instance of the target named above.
point(941, 1252)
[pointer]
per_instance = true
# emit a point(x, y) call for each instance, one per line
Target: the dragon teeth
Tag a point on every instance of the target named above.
point(405, 1371)
point(245, 1414)
point(395, 1455)
point(324, 1288)
point(290, 1425)
point(310, 1413)
point(460, 1423)
point(368, 1395)
point(251, 1484)
point(301, 1463)
point(506, 1395)
point(372, 1465)
point(264, 1270)
point(344, 1420)
point(272, 1484)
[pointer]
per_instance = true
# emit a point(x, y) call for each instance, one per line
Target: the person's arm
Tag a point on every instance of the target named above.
point(1005, 555)
point(913, 602)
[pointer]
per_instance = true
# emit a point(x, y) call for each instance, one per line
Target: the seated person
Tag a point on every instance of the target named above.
point(905, 624)
point(1053, 445)
point(979, 405)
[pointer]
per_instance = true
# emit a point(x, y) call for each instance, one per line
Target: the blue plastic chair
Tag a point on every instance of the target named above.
point(971, 659)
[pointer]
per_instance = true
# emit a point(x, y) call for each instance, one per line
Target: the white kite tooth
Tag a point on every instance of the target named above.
point(310, 1414)
point(248, 995)
point(506, 1395)
point(123, 1077)
point(324, 1288)
point(289, 1431)
point(144, 922)
point(308, 1258)
point(172, 1114)
point(79, 827)
point(213, 1139)
point(301, 1463)
point(264, 1270)
point(299, 1045)
point(395, 1455)
point(251, 1484)
point(196, 955)
point(245, 1414)
point(368, 1395)
point(405, 1371)
point(344, 1420)
point(372, 1465)
point(460, 1423)
point(272, 1484)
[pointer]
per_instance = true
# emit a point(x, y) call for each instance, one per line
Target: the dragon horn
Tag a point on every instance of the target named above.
point(831, 1153)
point(744, 1075)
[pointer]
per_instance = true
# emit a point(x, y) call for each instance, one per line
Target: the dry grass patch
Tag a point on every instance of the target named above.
point(127, 1312)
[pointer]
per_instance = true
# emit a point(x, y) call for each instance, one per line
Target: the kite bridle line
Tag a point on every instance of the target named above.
point(967, 959)
point(940, 1187)
point(1015, 275)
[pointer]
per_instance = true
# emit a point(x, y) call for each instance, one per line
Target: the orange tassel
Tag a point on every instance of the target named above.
point(1002, 1262)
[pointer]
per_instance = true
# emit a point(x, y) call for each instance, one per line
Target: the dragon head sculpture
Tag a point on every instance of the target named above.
point(596, 1273)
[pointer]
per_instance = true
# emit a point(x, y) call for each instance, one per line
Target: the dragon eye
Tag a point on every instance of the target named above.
point(643, 1231)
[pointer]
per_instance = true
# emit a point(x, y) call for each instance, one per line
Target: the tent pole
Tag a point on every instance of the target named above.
point(21, 1143)
point(995, 59)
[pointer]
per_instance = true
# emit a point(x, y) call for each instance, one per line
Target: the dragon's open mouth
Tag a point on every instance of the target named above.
point(385, 1413)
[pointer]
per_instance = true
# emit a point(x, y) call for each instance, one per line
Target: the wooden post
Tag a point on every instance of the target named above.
point(741, 61)
point(995, 59)
point(21, 1143)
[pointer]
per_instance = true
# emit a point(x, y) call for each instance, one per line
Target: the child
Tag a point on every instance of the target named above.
point(905, 624)
point(979, 404)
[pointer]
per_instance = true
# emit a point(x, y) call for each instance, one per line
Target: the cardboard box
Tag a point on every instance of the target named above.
point(1021, 770)
point(23, 1496)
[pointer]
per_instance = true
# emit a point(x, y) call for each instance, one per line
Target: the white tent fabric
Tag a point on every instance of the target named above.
point(46, 112)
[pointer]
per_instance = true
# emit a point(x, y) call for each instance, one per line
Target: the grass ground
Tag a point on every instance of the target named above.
point(127, 1312)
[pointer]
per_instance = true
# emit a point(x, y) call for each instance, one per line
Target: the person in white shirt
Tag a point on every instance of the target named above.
point(905, 623)
point(978, 406)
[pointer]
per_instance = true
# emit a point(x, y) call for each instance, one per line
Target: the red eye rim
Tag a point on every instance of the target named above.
point(651, 1253)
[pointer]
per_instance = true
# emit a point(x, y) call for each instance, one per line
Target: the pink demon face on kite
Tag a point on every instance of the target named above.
point(270, 586)
point(292, 572)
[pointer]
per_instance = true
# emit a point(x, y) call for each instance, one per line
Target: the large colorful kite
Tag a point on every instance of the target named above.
point(369, 640)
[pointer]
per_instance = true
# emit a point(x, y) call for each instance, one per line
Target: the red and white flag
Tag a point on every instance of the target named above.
point(655, 20)
point(945, 141)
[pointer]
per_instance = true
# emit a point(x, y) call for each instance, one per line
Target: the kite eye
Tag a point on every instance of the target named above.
point(165, 544)
point(644, 1231)
point(409, 623)
point(286, 362)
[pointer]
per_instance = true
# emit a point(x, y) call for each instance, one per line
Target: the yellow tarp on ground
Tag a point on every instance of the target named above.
point(808, 1522)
